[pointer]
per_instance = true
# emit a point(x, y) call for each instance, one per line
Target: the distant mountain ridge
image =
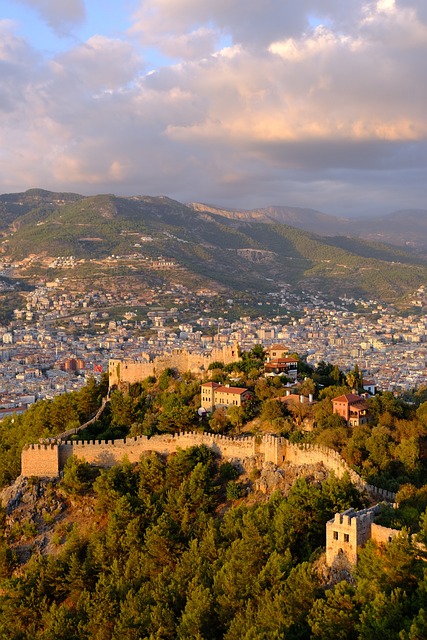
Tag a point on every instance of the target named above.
point(308, 219)
point(243, 251)
point(402, 228)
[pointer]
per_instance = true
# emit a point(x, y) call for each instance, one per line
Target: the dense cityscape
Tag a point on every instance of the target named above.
point(60, 336)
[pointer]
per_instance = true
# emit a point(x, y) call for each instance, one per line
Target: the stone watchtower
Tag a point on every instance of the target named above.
point(350, 530)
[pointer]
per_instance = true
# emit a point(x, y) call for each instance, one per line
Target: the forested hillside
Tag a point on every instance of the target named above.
point(163, 550)
point(187, 546)
point(241, 254)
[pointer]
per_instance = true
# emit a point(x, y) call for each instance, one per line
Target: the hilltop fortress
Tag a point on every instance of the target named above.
point(131, 370)
point(344, 534)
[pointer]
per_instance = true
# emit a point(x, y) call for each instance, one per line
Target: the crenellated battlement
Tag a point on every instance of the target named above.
point(131, 370)
point(48, 459)
point(344, 533)
point(349, 530)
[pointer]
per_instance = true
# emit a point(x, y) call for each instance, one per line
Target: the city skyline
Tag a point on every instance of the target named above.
point(236, 104)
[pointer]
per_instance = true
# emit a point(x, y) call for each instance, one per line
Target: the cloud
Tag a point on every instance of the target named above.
point(18, 69)
point(98, 64)
point(60, 15)
point(306, 108)
point(250, 22)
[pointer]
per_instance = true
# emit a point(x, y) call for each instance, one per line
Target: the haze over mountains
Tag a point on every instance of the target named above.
point(257, 250)
point(403, 228)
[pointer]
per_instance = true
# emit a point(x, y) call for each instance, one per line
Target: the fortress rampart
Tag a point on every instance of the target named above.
point(48, 459)
point(131, 370)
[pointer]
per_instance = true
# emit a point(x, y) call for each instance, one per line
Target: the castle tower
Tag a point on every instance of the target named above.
point(346, 532)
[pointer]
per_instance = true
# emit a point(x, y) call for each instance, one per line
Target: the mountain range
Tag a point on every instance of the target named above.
point(406, 227)
point(254, 250)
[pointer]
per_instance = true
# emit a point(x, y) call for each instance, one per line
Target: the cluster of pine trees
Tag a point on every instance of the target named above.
point(166, 555)
point(181, 548)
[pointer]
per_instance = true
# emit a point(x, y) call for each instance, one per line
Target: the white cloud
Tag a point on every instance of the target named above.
point(253, 23)
point(288, 115)
point(60, 15)
point(100, 63)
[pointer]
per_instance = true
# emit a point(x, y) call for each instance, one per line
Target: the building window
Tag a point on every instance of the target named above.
point(346, 537)
point(335, 535)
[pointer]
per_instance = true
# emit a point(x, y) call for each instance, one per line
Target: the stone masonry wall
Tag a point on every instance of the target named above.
point(312, 454)
point(347, 532)
point(134, 370)
point(382, 535)
point(49, 459)
point(108, 453)
point(40, 460)
point(341, 538)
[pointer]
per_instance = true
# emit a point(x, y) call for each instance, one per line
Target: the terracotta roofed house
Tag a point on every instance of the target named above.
point(214, 395)
point(287, 366)
point(353, 408)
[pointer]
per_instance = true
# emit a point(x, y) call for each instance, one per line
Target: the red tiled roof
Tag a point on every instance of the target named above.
point(350, 398)
point(224, 389)
point(236, 390)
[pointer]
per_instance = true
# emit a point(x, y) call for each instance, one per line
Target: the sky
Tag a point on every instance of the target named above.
point(236, 103)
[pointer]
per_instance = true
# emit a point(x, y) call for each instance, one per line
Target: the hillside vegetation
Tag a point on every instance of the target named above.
point(185, 546)
point(240, 254)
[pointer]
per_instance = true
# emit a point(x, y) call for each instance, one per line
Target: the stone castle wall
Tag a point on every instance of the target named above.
point(350, 530)
point(382, 535)
point(341, 538)
point(312, 454)
point(41, 460)
point(49, 459)
point(131, 370)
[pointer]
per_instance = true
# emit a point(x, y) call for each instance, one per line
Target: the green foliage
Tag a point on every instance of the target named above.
point(165, 378)
point(228, 471)
point(235, 490)
point(236, 416)
point(168, 562)
point(273, 410)
point(78, 476)
point(326, 374)
point(218, 421)
point(252, 362)
point(216, 365)
point(336, 616)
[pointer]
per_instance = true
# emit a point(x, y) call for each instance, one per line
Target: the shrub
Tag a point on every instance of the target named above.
point(235, 490)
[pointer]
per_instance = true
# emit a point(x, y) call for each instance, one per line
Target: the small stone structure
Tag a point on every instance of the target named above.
point(350, 530)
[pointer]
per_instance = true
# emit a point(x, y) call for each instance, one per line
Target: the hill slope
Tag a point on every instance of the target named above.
point(403, 228)
point(241, 253)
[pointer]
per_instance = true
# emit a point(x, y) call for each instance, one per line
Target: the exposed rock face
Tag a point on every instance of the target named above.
point(33, 507)
point(274, 478)
point(11, 496)
point(267, 477)
point(31, 496)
